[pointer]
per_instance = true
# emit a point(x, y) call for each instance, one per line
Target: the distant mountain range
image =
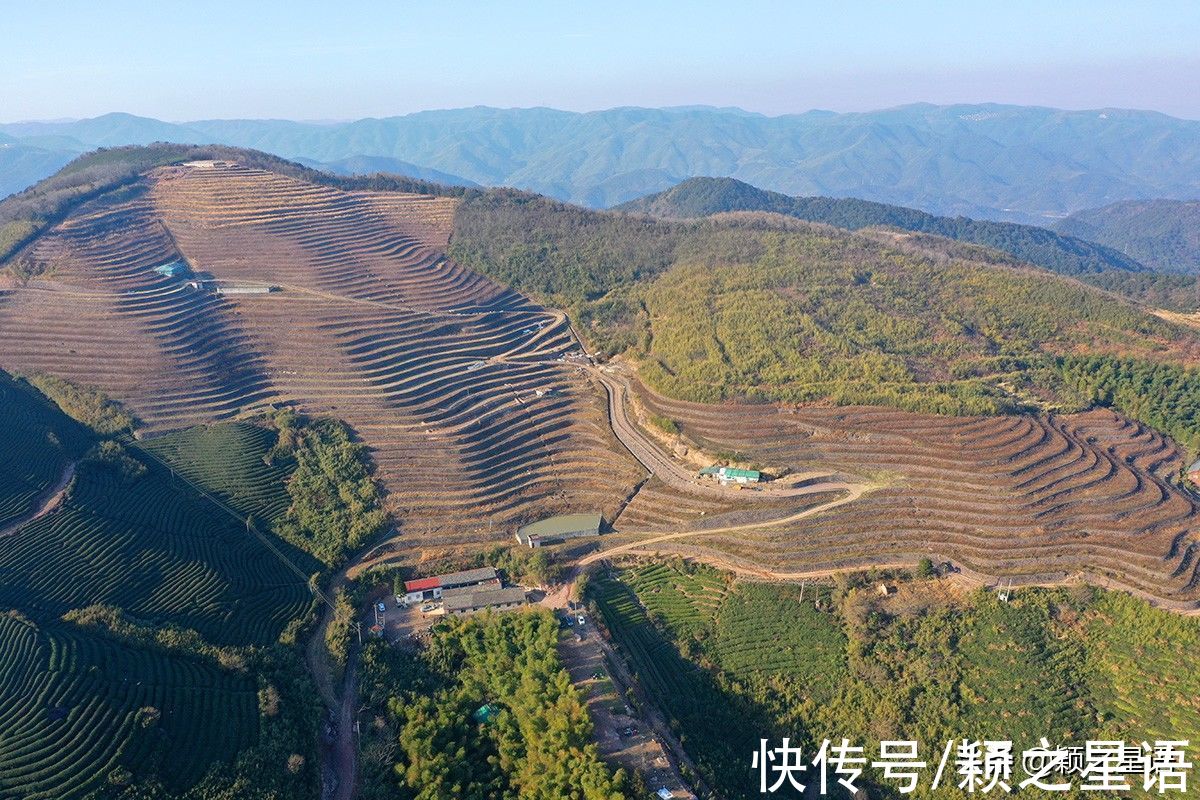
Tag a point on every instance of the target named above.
point(1162, 234)
point(702, 197)
point(23, 165)
point(1015, 163)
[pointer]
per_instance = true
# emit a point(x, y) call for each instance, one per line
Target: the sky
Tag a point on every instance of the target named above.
point(346, 60)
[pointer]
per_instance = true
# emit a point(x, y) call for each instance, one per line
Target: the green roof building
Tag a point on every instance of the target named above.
point(732, 474)
point(554, 529)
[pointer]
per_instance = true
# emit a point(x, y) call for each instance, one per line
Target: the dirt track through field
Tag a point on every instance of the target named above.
point(47, 502)
point(853, 492)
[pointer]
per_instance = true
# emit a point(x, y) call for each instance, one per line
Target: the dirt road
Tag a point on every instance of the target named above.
point(853, 492)
point(659, 463)
point(47, 501)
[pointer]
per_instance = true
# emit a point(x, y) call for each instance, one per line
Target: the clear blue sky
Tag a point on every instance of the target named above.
point(349, 59)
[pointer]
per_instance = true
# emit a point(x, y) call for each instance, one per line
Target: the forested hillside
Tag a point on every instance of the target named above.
point(989, 161)
point(740, 307)
point(929, 663)
point(702, 197)
point(1162, 234)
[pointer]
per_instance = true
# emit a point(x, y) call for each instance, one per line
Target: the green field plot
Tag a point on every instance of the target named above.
point(759, 661)
point(230, 461)
point(79, 711)
point(1141, 667)
point(684, 599)
point(718, 727)
point(767, 632)
point(155, 549)
point(1019, 679)
point(37, 443)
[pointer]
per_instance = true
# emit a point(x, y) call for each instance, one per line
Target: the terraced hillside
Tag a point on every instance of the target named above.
point(138, 622)
point(1037, 498)
point(459, 386)
point(230, 461)
point(74, 718)
point(479, 412)
point(40, 447)
point(147, 544)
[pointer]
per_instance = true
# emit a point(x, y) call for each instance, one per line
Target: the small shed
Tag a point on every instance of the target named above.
point(727, 475)
point(554, 529)
point(174, 269)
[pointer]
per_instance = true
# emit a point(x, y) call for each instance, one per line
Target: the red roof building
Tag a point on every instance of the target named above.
point(431, 588)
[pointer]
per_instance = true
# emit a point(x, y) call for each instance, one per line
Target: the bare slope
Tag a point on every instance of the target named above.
point(454, 381)
point(1032, 497)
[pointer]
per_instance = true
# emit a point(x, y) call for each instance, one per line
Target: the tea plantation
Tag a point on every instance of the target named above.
point(158, 690)
point(38, 442)
point(229, 460)
point(729, 662)
point(77, 709)
point(151, 546)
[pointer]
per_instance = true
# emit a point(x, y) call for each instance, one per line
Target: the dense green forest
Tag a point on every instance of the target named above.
point(744, 308)
point(1162, 234)
point(1163, 396)
point(428, 744)
point(1155, 289)
point(702, 197)
point(87, 405)
point(335, 504)
point(827, 662)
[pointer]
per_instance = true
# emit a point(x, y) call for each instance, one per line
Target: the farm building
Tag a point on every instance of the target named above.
point(469, 599)
point(726, 475)
point(175, 269)
point(1193, 473)
point(432, 588)
point(554, 529)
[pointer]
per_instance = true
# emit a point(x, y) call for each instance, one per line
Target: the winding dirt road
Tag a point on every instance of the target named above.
point(853, 492)
point(657, 462)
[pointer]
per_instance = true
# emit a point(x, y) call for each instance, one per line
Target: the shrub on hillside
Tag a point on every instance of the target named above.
point(87, 405)
point(335, 504)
